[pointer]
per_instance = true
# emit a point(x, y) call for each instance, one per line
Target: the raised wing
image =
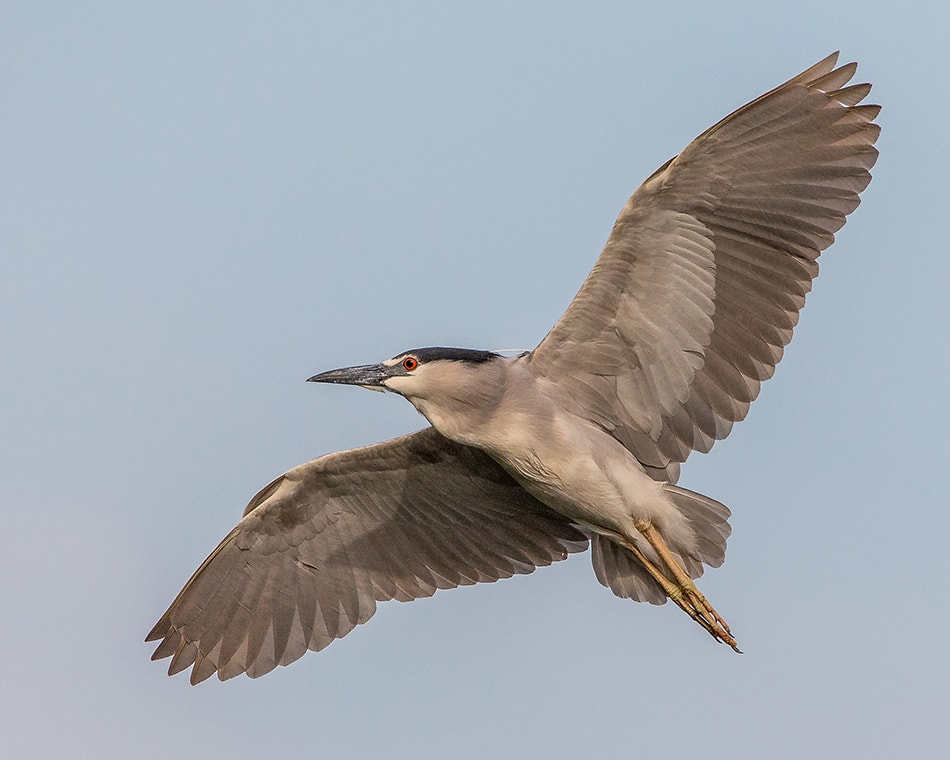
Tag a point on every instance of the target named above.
point(697, 290)
point(319, 546)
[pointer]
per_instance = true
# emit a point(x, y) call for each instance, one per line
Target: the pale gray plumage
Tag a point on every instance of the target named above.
point(665, 346)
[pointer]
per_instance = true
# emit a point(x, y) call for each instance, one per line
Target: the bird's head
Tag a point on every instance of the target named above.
point(425, 375)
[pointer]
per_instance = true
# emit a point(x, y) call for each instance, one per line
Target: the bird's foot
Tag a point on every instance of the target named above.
point(679, 587)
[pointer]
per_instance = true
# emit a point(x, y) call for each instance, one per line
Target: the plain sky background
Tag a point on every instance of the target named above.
point(203, 204)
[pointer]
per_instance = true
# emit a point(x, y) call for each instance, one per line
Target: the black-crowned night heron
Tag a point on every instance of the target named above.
point(577, 443)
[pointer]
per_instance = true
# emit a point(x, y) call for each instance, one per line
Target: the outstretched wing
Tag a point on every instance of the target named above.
point(319, 546)
point(695, 295)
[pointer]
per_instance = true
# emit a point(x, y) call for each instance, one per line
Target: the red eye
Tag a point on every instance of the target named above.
point(410, 363)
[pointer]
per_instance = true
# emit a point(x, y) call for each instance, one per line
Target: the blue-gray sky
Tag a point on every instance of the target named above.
point(201, 205)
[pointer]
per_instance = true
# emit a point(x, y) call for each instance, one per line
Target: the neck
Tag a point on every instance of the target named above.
point(466, 400)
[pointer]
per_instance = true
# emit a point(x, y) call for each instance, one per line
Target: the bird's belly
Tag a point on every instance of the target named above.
point(589, 477)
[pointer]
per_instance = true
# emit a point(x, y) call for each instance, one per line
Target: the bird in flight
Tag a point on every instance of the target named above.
point(576, 444)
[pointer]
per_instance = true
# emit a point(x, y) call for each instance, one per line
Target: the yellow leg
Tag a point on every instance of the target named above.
point(673, 591)
point(679, 587)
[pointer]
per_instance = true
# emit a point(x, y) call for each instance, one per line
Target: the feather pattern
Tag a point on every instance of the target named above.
point(322, 544)
point(702, 279)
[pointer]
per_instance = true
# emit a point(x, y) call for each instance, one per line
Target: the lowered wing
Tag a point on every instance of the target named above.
point(319, 546)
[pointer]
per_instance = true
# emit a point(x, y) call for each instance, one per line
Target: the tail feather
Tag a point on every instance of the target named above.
point(617, 569)
point(710, 521)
